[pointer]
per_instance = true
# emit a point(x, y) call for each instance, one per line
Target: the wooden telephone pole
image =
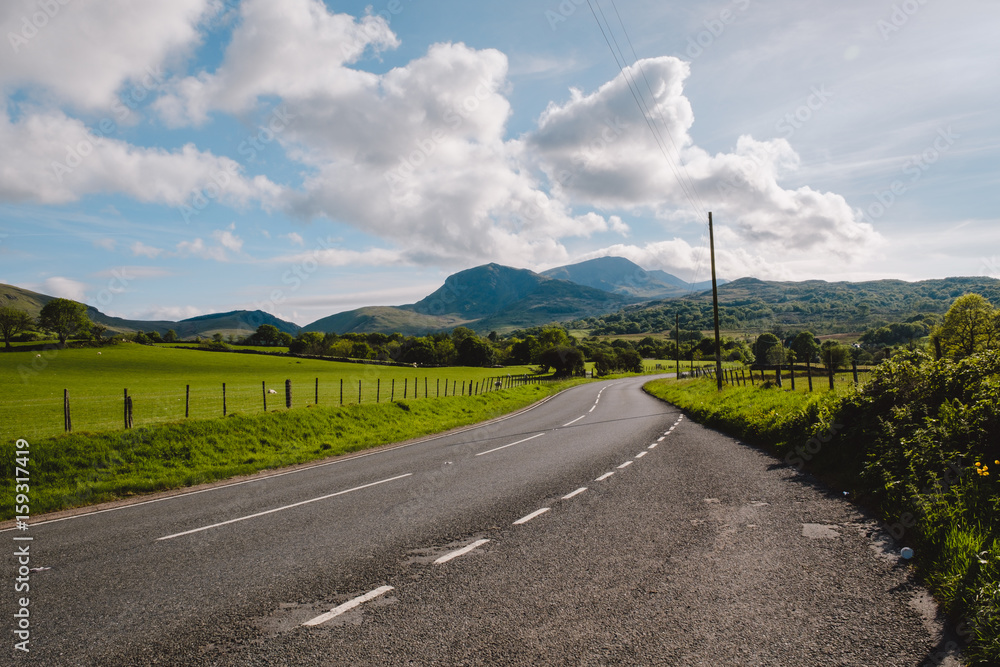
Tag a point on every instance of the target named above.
point(715, 306)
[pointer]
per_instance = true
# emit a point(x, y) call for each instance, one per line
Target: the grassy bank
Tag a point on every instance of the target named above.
point(87, 468)
point(916, 444)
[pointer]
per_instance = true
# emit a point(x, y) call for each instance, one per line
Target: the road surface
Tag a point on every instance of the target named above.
point(600, 527)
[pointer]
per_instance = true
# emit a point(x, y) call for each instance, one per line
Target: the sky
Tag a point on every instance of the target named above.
point(162, 160)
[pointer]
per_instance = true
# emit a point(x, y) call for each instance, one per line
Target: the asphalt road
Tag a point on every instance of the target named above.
point(600, 527)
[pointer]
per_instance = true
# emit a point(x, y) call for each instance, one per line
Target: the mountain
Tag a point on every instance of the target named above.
point(236, 322)
point(484, 298)
point(621, 276)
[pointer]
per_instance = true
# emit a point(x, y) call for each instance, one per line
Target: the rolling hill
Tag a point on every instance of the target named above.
point(236, 322)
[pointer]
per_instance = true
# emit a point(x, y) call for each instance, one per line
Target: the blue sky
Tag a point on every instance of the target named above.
point(164, 160)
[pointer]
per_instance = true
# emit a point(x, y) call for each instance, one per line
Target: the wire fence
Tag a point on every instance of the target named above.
point(122, 409)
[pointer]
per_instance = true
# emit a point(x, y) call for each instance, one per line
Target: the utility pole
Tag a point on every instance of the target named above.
point(715, 306)
point(677, 355)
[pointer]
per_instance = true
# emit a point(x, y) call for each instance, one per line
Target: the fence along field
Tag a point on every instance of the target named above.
point(157, 381)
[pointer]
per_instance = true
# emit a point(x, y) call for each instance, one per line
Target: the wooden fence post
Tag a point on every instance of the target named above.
point(125, 408)
point(777, 375)
point(406, 382)
point(263, 391)
point(288, 393)
point(830, 368)
point(341, 391)
point(378, 389)
point(791, 374)
point(317, 391)
point(359, 392)
point(67, 422)
point(809, 374)
point(223, 399)
point(854, 367)
point(187, 401)
point(128, 407)
point(392, 393)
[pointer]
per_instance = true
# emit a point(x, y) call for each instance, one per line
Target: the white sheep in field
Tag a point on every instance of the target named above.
point(271, 391)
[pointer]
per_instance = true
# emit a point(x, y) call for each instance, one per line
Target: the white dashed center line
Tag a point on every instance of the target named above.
point(349, 605)
point(526, 519)
point(574, 421)
point(460, 552)
point(575, 493)
point(626, 464)
point(653, 446)
point(286, 507)
point(640, 455)
point(604, 476)
point(497, 449)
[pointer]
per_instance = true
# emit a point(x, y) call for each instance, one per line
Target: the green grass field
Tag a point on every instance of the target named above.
point(156, 378)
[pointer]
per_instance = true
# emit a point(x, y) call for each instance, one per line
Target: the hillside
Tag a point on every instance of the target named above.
point(236, 322)
point(621, 276)
point(822, 307)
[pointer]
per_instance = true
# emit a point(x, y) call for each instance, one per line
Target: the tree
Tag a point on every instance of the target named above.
point(769, 350)
point(968, 326)
point(834, 354)
point(474, 351)
point(308, 342)
point(805, 346)
point(13, 322)
point(565, 360)
point(170, 336)
point(98, 331)
point(65, 318)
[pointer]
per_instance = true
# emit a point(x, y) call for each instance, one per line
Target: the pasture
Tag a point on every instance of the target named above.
point(157, 379)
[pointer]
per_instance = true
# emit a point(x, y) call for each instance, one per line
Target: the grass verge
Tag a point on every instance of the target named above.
point(915, 444)
point(88, 468)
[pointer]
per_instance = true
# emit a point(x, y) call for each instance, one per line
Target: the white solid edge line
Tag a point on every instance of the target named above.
point(640, 455)
point(460, 552)
point(390, 448)
point(526, 519)
point(575, 493)
point(626, 464)
point(604, 476)
point(285, 507)
point(349, 605)
point(497, 449)
point(574, 421)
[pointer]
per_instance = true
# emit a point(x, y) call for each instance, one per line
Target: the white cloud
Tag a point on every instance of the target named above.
point(140, 249)
point(295, 238)
point(83, 53)
point(106, 243)
point(50, 158)
point(596, 152)
point(65, 288)
point(227, 239)
point(294, 49)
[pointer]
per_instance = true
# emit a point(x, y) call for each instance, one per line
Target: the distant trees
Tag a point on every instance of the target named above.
point(170, 336)
point(13, 322)
point(65, 318)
